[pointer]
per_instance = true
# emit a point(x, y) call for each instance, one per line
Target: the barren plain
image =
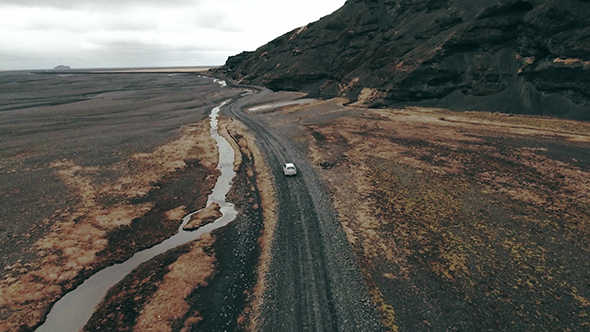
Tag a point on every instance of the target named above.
point(461, 221)
point(458, 221)
point(94, 168)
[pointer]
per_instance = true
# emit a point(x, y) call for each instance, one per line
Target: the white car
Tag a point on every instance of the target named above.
point(289, 169)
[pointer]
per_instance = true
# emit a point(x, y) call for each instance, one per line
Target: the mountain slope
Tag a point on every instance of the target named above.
point(520, 56)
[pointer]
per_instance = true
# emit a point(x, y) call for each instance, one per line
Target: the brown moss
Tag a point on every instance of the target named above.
point(204, 217)
point(177, 213)
point(387, 312)
point(81, 232)
point(190, 271)
point(438, 203)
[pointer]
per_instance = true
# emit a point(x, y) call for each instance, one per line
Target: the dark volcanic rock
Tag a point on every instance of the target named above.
point(520, 56)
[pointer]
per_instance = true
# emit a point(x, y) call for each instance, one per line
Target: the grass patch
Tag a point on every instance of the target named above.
point(204, 217)
point(70, 252)
point(190, 271)
point(455, 228)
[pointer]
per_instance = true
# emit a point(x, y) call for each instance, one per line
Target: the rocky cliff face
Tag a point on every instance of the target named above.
point(520, 56)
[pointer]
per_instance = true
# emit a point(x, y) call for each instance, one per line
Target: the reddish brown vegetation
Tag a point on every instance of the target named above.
point(78, 240)
point(463, 220)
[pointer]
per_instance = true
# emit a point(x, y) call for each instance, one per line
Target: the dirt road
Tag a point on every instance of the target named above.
point(460, 221)
point(315, 284)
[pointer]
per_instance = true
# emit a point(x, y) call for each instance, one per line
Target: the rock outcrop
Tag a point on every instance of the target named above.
point(518, 56)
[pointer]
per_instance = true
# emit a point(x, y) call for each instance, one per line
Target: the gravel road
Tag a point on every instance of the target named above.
point(315, 282)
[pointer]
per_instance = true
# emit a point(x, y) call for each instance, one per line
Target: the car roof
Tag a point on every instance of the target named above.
point(289, 164)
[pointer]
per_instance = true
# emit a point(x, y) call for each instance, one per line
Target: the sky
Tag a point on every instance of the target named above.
point(41, 34)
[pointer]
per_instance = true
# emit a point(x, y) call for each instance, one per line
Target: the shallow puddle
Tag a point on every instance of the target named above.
point(71, 312)
point(271, 106)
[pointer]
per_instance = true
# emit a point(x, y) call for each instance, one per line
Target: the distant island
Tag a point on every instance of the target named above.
point(62, 67)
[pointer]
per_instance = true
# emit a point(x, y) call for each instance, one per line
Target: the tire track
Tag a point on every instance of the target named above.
point(315, 284)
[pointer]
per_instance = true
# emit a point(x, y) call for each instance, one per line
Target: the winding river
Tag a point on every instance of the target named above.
point(71, 312)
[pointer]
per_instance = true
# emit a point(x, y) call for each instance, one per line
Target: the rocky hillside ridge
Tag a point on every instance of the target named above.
point(517, 56)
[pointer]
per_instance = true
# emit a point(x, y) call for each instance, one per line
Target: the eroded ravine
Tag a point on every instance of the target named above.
point(73, 311)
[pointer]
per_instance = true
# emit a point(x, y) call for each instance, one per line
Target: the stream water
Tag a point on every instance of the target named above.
point(71, 312)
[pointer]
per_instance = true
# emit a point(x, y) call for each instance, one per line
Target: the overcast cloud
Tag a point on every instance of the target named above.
point(36, 34)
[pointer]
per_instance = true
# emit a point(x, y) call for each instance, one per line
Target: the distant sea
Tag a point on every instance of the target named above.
point(196, 69)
